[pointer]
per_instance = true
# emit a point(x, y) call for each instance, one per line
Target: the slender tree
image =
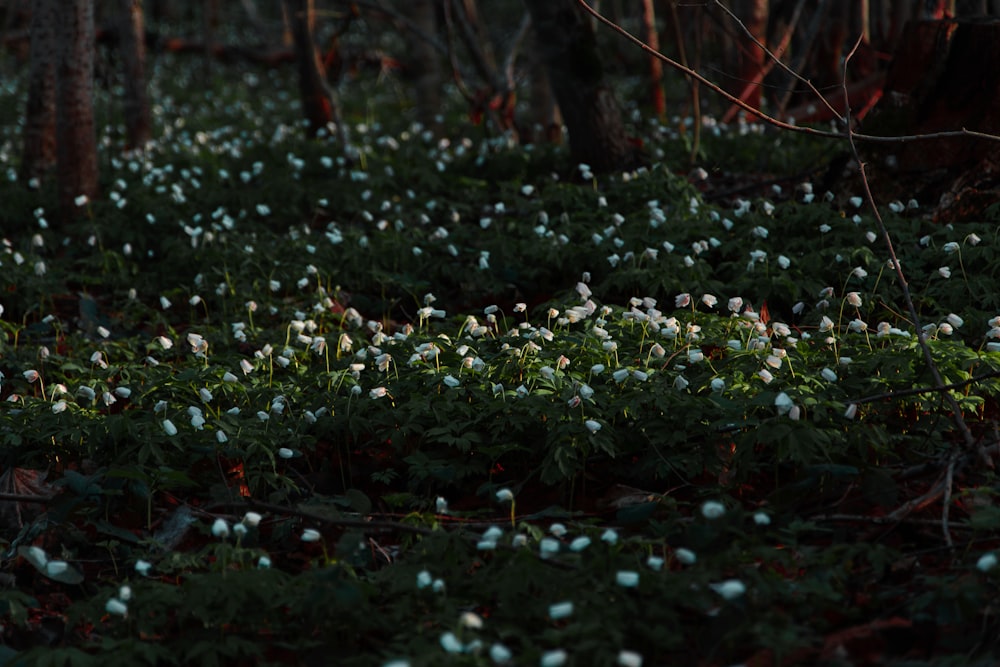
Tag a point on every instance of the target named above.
point(133, 50)
point(76, 146)
point(589, 108)
point(40, 113)
point(428, 75)
point(319, 102)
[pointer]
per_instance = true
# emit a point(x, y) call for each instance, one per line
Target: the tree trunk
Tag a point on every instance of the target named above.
point(754, 15)
point(428, 79)
point(937, 82)
point(318, 101)
point(133, 50)
point(569, 49)
point(40, 113)
point(652, 38)
point(75, 133)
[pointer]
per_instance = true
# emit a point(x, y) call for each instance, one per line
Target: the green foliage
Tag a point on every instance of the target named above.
point(348, 343)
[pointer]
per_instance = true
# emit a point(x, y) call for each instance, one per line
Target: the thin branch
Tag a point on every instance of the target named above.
point(963, 428)
point(926, 390)
point(855, 136)
point(776, 57)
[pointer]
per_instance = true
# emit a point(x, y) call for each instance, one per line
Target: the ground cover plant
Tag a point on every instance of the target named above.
point(444, 400)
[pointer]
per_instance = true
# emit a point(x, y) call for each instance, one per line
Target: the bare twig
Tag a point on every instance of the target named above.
point(963, 428)
point(926, 390)
point(855, 136)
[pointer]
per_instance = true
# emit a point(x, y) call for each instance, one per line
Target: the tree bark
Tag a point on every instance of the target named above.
point(592, 115)
point(428, 78)
point(76, 137)
point(754, 14)
point(318, 100)
point(40, 113)
point(652, 38)
point(133, 50)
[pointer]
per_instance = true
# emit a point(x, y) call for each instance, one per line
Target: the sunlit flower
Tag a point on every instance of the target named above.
point(682, 300)
point(709, 300)
point(765, 375)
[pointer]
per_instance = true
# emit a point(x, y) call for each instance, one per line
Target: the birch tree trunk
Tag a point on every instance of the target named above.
point(75, 133)
point(40, 112)
point(133, 50)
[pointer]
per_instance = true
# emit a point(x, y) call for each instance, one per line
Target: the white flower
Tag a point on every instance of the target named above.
point(560, 610)
point(729, 589)
point(286, 453)
point(143, 567)
point(470, 620)
point(851, 411)
point(627, 578)
point(783, 403)
point(761, 519)
point(54, 568)
point(712, 509)
point(579, 544)
point(950, 247)
point(620, 375)
point(685, 556)
point(765, 375)
point(451, 644)
point(718, 384)
point(954, 320)
point(220, 528)
point(558, 657)
point(500, 654)
point(557, 529)
point(310, 535)
point(451, 381)
point(629, 659)
point(169, 428)
point(610, 536)
point(709, 300)
point(252, 519)
point(681, 383)
point(654, 563)
point(682, 300)
point(548, 546)
point(116, 607)
point(505, 495)
point(854, 299)
point(592, 425)
point(828, 375)
point(986, 562)
point(423, 579)
point(263, 563)
point(246, 366)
